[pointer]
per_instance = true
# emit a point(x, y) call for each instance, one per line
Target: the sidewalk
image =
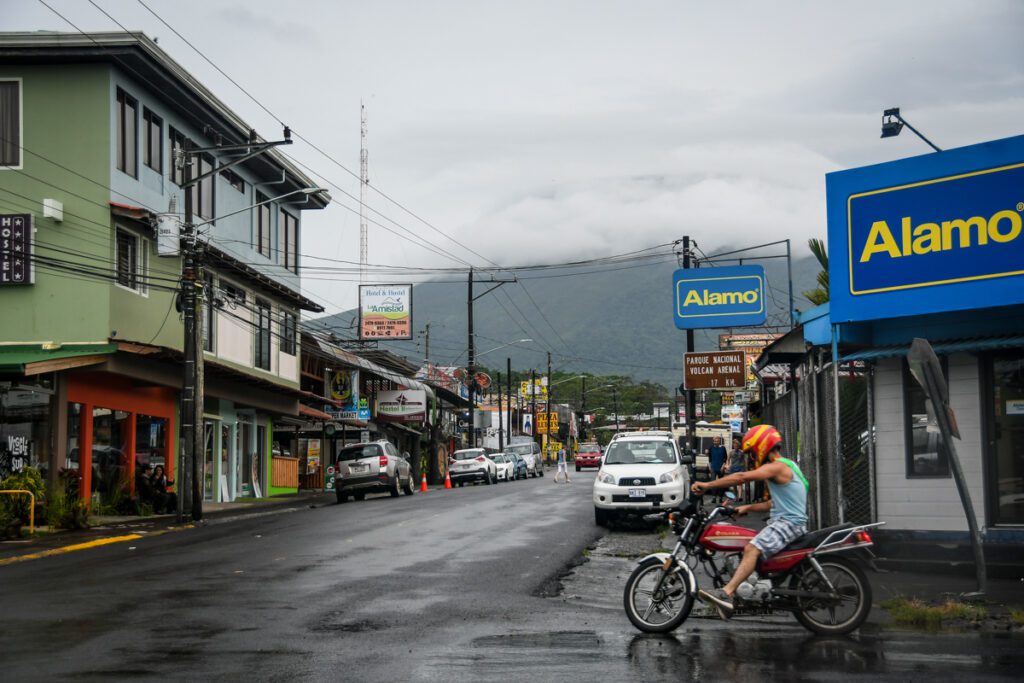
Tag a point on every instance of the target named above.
point(103, 528)
point(933, 588)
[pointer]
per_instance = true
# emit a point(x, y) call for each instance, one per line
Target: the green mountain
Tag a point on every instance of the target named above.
point(616, 321)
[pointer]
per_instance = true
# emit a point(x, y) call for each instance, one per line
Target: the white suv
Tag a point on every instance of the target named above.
point(530, 452)
point(472, 464)
point(641, 473)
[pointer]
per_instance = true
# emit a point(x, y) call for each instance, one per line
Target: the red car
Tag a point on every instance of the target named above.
point(588, 455)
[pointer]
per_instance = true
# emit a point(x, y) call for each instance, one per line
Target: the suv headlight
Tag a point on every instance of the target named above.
point(605, 478)
point(669, 477)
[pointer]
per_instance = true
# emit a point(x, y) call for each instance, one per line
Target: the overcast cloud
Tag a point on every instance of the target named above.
point(550, 131)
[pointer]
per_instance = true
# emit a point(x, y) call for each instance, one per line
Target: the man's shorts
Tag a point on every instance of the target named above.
point(562, 467)
point(777, 535)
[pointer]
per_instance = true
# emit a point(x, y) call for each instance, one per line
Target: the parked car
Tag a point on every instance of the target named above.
point(530, 452)
point(472, 464)
point(588, 455)
point(518, 466)
point(504, 466)
point(642, 473)
point(371, 468)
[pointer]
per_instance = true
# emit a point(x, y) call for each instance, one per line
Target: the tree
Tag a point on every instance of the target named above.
point(819, 295)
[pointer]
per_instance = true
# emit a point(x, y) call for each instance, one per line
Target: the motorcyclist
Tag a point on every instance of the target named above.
point(788, 507)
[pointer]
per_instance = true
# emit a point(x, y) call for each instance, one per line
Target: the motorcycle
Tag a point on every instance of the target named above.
point(813, 577)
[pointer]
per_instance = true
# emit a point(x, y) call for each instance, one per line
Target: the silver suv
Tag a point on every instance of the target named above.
point(529, 451)
point(373, 467)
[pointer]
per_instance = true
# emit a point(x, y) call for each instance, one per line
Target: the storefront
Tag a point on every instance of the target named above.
point(933, 247)
point(115, 429)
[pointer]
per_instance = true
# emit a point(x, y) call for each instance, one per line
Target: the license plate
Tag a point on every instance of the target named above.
point(638, 493)
point(357, 468)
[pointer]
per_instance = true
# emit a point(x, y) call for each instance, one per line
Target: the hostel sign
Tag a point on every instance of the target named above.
point(16, 249)
point(940, 232)
point(719, 297)
point(385, 312)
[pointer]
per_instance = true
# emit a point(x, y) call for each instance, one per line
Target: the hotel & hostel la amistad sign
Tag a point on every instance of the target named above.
point(938, 232)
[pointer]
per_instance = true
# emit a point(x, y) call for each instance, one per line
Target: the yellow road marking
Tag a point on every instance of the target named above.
point(70, 548)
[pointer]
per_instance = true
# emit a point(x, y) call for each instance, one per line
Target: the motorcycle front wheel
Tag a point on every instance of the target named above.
point(661, 610)
point(833, 617)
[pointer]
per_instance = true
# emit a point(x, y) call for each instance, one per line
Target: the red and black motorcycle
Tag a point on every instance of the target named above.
point(816, 577)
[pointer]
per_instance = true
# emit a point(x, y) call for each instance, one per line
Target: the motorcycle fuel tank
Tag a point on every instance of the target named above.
point(726, 537)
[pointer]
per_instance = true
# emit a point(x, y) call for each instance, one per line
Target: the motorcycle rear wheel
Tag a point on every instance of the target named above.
point(824, 618)
point(661, 611)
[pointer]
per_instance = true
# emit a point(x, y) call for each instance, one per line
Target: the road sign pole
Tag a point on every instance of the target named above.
point(691, 395)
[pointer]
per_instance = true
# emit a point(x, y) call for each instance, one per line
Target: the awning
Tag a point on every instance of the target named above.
point(35, 359)
point(353, 360)
point(313, 413)
point(945, 347)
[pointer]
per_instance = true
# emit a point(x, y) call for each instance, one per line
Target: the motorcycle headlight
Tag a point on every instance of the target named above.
point(605, 478)
point(668, 477)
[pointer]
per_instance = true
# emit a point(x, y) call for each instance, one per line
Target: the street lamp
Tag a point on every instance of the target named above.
point(892, 124)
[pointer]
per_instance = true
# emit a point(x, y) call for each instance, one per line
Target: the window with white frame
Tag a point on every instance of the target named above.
point(262, 225)
point(288, 235)
point(177, 140)
point(202, 192)
point(288, 325)
point(131, 260)
point(262, 348)
point(153, 149)
point(10, 124)
point(127, 133)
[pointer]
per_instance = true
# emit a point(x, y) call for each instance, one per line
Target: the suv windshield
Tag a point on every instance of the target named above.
point(467, 455)
point(640, 453)
point(357, 452)
point(521, 449)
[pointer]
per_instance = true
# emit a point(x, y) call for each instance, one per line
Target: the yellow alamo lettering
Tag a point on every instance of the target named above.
point(706, 298)
point(927, 238)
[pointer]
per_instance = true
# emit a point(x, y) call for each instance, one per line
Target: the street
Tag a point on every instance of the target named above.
point(461, 585)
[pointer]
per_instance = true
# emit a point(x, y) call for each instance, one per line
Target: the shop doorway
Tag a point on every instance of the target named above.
point(1005, 373)
point(209, 444)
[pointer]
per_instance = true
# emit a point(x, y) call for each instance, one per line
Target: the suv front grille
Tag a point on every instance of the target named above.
point(636, 481)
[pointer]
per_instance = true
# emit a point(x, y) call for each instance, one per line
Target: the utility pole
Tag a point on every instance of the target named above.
point(691, 395)
point(472, 361)
point(364, 183)
point(501, 421)
point(583, 408)
point(190, 487)
point(533, 404)
point(547, 435)
point(426, 350)
point(508, 384)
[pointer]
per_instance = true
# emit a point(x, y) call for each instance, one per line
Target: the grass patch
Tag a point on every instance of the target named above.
point(914, 612)
point(586, 552)
point(1017, 617)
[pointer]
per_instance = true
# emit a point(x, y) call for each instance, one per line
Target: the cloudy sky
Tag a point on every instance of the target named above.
point(551, 131)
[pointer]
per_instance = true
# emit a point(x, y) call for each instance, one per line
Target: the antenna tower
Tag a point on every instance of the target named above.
point(364, 181)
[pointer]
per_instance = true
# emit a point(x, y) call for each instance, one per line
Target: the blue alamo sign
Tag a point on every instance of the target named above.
point(719, 297)
point(941, 232)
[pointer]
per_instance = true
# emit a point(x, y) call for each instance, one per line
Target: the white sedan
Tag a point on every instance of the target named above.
point(504, 465)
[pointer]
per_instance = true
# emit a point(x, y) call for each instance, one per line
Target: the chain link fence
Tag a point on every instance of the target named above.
point(831, 434)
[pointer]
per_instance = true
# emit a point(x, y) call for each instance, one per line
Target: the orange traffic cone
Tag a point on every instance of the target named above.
point(447, 480)
point(423, 484)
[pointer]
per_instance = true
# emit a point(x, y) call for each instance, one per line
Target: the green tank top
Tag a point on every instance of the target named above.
point(789, 501)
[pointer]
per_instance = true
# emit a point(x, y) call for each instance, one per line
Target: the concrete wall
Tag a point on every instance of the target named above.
point(927, 503)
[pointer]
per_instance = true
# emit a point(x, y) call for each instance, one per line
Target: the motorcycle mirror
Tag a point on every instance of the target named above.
point(730, 495)
point(686, 459)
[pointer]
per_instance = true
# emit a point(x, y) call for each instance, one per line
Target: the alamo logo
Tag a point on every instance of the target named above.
point(928, 238)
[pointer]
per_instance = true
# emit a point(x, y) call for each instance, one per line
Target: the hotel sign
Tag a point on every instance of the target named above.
point(385, 312)
point(941, 232)
point(719, 297)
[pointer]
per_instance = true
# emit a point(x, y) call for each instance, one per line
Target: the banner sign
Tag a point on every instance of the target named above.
point(719, 297)
point(939, 232)
point(539, 389)
point(714, 370)
point(343, 386)
point(402, 405)
point(16, 250)
point(385, 312)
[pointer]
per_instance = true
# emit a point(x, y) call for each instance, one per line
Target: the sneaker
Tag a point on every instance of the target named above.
point(720, 599)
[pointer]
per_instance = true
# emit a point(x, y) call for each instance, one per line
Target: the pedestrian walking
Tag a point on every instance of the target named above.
point(563, 467)
point(737, 463)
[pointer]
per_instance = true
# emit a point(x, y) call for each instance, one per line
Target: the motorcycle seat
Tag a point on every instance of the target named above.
point(813, 538)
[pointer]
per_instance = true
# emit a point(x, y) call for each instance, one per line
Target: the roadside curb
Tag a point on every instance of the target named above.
point(72, 540)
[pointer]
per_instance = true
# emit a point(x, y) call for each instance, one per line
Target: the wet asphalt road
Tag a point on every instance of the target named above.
point(462, 585)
